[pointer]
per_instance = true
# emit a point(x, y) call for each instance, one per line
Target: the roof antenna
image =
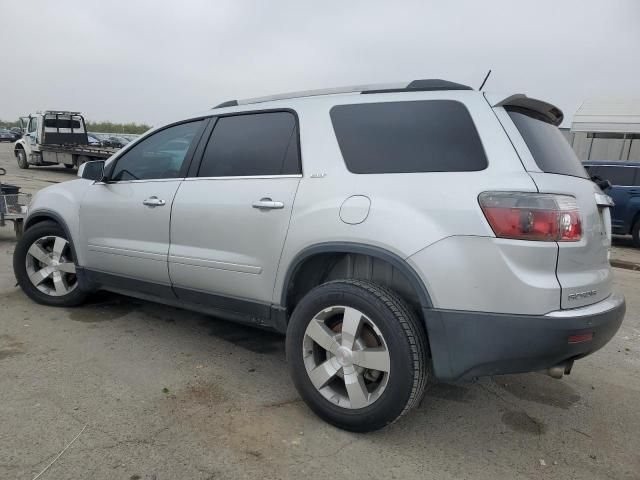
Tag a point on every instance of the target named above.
point(485, 80)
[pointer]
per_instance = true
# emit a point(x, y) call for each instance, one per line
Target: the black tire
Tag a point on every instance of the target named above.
point(48, 228)
point(635, 234)
point(21, 157)
point(67, 165)
point(405, 338)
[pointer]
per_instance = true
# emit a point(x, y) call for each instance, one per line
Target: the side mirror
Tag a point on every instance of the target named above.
point(92, 170)
point(603, 184)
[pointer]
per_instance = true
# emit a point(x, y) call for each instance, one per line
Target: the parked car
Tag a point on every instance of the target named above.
point(17, 132)
point(7, 135)
point(93, 140)
point(413, 230)
point(114, 141)
point(624, 189)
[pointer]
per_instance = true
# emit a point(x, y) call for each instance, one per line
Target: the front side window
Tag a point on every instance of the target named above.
point(161, 155)
point(33, 124)
point(252, 144)
point(408, 137)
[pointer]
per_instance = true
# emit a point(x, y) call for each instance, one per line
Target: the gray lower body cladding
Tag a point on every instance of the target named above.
point(465, 344)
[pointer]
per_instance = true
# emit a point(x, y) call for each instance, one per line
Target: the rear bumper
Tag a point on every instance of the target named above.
point(473, 344)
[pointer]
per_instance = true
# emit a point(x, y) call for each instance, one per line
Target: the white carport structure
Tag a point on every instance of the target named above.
point(607, 129)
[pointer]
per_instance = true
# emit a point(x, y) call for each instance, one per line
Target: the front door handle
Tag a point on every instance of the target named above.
point(153, 202)
point(267, 204)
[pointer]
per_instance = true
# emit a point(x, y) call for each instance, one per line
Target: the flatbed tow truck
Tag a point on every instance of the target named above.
point(55, 137)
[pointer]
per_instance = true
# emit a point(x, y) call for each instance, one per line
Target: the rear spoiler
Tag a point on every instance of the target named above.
point(551, 113)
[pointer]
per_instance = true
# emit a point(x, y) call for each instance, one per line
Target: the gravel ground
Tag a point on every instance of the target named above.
point(163, 393)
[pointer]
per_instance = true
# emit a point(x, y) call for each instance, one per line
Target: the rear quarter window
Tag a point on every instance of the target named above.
point(549, 148)
point(407, 137)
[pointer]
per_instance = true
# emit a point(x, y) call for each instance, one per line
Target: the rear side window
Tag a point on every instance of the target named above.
point(252, 144)
point(404, 137)
point(621, 176)
point(550, 149)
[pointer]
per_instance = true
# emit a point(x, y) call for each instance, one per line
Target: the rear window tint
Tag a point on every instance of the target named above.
point(61, 123)
point(405, 137)
point(550, 149)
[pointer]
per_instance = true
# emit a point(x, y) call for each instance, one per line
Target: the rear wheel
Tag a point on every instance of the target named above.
point(68, 165)
point(357, 354)
point(44, 265)
point(21, 157)
point(635, 233)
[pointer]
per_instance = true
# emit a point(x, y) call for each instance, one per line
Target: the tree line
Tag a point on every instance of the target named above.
point(107, 127)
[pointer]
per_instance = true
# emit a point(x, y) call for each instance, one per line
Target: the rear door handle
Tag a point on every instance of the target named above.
point(153, 202)
point(267, 204)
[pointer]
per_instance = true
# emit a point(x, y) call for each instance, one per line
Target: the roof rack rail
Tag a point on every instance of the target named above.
point(413, 86)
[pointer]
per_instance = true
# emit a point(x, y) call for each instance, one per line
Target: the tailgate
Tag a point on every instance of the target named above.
point(582, 269)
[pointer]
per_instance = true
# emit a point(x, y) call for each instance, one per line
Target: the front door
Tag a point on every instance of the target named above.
point(31, 135)
point(230, 219)
point(624, 192)
point(125, 219)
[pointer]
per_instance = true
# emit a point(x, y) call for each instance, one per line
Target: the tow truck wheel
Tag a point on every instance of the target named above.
point(81, 159)
point(21, 156)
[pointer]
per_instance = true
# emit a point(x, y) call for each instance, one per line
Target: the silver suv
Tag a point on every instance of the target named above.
point(394, 233)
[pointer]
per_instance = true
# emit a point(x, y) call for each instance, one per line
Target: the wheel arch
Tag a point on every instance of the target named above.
point(634, 219)
point(346, 248)
point(43, 215)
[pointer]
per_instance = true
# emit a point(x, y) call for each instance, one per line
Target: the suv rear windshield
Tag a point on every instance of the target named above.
point(405, 137)
point(549, 148)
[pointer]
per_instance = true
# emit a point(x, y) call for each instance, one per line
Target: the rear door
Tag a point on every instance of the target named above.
point(230, 218)
point(583, 266)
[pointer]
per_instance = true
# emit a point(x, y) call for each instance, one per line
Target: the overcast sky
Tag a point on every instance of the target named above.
point(150, 61)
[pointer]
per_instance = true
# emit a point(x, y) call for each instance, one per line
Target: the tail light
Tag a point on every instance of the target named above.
point(532, 216)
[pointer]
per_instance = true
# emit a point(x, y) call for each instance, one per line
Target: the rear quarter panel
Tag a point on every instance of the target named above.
point(409, 211)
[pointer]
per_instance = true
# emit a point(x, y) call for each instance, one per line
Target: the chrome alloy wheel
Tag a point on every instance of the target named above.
point(50, 266)
point(346, 357)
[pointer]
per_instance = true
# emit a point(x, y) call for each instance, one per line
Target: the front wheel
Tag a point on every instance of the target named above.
point(44, 265)
point(21, 157)
point(357, 354)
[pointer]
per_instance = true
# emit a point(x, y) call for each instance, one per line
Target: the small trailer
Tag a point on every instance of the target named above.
point(13, 205)
point(56, 137)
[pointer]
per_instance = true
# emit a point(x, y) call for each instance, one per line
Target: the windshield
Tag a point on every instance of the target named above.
point(549, 148)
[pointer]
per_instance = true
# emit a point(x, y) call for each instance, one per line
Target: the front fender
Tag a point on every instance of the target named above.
point(61, 203)
point(19, 145)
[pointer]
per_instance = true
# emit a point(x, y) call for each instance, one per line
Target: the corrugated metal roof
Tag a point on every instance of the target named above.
point(608, 115)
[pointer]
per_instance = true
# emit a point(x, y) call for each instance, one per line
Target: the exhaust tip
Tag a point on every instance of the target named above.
point(558, 371)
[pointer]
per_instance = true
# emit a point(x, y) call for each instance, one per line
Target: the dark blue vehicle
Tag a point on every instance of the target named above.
point(625, 192)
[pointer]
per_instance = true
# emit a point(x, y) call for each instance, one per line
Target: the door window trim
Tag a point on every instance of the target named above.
point(188, 159)
point(206, 137)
